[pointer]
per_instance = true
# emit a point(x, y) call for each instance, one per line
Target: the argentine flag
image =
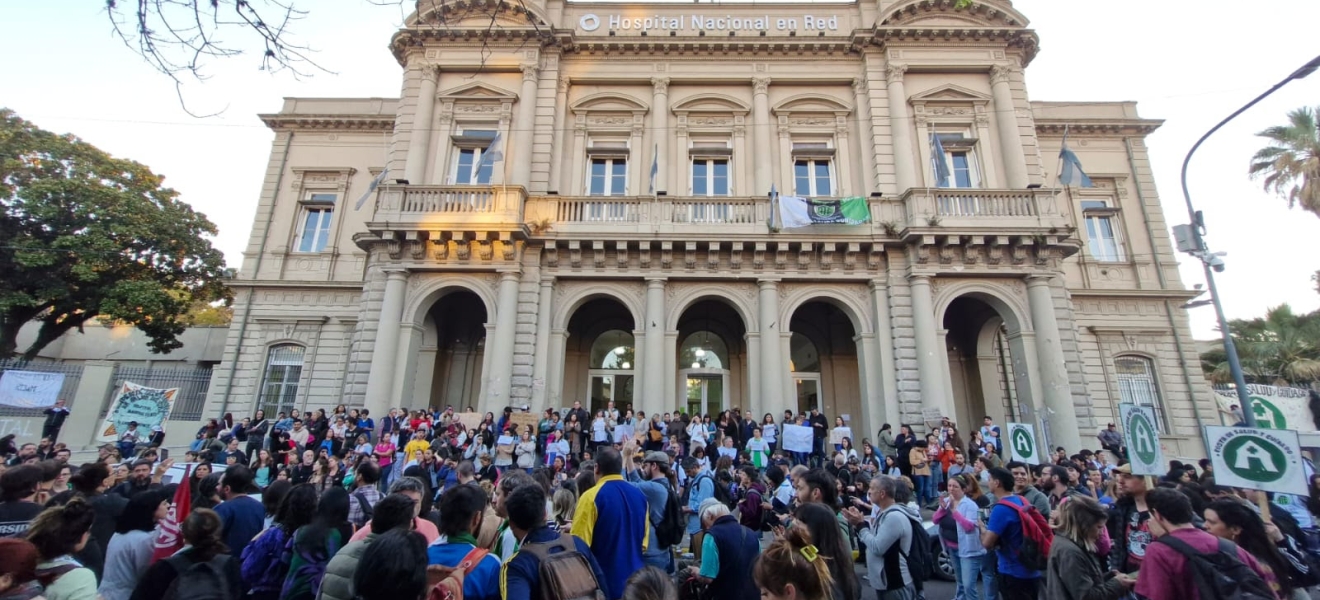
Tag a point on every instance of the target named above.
point(1071, 173)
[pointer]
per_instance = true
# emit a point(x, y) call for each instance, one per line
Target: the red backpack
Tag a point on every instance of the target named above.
point(1036, 535)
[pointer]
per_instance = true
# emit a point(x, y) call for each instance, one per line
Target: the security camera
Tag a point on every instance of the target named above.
point(1215, 262)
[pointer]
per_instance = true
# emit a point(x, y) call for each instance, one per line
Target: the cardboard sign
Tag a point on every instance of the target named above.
point(797, 438)
point(1022, 443)
point(1257, 459)
point(470, 420)
point(838, 433)
point(523, 419)
point(1142, 439)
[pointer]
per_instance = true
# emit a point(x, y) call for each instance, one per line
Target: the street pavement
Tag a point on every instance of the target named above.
point(935, 589)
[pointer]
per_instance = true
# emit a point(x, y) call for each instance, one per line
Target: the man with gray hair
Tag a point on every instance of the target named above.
point(728, 552)
point(888, 539)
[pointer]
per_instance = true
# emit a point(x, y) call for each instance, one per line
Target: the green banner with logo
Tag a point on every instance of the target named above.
point(1257, 459)
point(1275, 407)
point(1142, 439)
point(1023, 444)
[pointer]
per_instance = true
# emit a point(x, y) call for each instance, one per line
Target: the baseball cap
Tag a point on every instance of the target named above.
point(657, 457)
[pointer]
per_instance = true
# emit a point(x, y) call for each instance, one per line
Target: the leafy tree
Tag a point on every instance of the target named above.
point(84, 234)
point(1282, 348)
point(1290, 165)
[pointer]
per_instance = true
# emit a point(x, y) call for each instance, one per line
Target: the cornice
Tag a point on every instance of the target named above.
point(329, 122)
point(1097, 127)
point(711, 45)
point(1177, 295)
point(292, 284)
point(1023, 41)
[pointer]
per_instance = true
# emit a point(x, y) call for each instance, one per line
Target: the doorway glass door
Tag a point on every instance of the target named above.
point(808, 391)
point(610, 385)
point(705, 394)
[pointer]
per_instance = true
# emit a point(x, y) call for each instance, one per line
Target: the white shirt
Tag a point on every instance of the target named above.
point(598, 433)
point(768, 431)
point(697, 431)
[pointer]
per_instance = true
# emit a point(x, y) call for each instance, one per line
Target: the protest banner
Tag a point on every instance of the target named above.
point(838, 433)
point(133, 402)
point(30, 389)
point(470, 420)
point(797, 438)
point(1275, 407)
point(1257, 459)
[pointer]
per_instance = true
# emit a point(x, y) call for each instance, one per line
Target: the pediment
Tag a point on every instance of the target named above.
point(711, 103)
point(948, 13)
point(477, 91)
point(608, 102)
point(950, 93)
point(810, 103)
point(477, 14)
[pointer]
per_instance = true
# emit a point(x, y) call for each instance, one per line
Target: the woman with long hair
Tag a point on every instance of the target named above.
point(960, 533)
point(131, 548)
point(870, 460)
point(59, 532)
point(202, 533)
point(791, 568)
point(263, 470)
point(820, 525)
point(564, 503)
point(1236, 522)
point(770, 431)
point(315, 543)
point(264, 565)
point(1075, 571)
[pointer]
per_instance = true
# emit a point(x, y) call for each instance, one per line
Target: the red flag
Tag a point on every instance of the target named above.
point(170, 538)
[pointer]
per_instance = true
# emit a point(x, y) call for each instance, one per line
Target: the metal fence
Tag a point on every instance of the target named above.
point(72, 374)
point(193, 384)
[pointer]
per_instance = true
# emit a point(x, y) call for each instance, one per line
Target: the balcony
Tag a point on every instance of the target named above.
point(450, 207)
point(647, 216)
point(978, 211)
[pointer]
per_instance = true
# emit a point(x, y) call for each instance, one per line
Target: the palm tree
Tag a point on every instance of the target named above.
point(1280, 349)
point(1291, 163)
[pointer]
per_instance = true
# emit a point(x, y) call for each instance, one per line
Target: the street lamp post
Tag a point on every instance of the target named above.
point(1191, 240)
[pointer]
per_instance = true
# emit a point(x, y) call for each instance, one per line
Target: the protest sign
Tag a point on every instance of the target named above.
point(1022, 443)
point(1142, 439)
point(797, 438)
point(30, 389)
point(1257, 459)
point(148, 406)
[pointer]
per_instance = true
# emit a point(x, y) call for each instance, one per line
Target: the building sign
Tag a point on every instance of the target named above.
point(1142, 439)
point(1275, 407)
point(1022, 443)
point(693, 23)
point(1258, 459)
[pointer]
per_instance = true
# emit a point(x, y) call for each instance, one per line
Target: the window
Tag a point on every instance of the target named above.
point(318, 210)
point(1102, 239)
point(710, 177)
point(472, 145)
point(812, 175)
point(607, 176)
point(960, 157)
point(1136, 385)
point(279, 388)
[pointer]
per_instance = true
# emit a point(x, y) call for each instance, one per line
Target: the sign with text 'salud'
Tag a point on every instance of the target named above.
point(1257, 459)
point(1022, 443)
point(1142, 439)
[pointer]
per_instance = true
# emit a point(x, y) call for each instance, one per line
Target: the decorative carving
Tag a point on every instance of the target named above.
point(811, 121)
point(827, 256)
point(660, 85)
point(598, 254)
point(621, 255)
point(477, 108)
point(690, 255)
point(440, 249)
point(1019, 253)
point(735, 256)
point(666, 255)
point(529, 73)
point(644, 255)
point(607, 120)
point(713, 256)
point(781, 256)
point(850, 255)
point(428, 73)
point(760, 85)
point(758, 256)
point(463, 249)
point(561, 86)
point(805, 251)
point(859, 86)
point(719, 121)
point(552, 256)
point(485, 250)
point(416, 248)
point(1000, 74)
point(894, 72)
point(574, 253)
point(508, 249)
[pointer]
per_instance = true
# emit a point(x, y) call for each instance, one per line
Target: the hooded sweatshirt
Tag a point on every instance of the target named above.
point(888, 540)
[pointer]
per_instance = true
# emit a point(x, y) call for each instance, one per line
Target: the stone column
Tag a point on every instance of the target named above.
point(521, 144)
point(864, 138)
point(660, 133)
point(557, 137)
point(500, 374)
point(930, 367)
point(884, 338)
point(1059, 409)
point(419, 143)
point(904, 170)
point(1010, 138)
point(761, 125)
point(653, 354)
point(772, 363)
point(81, 426)
point(381, 375)
point(541, 361)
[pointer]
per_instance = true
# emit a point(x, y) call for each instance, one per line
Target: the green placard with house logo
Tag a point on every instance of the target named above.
point(1142, 439)
point(1258, 459)
point(1023, 444)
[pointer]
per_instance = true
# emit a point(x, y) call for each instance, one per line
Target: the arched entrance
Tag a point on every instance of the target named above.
point(988, 375)
point(600, 358)
point(824, 362)
point(454, 346)
point(712, 358)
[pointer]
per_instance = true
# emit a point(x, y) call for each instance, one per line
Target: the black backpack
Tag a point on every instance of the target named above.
point(669, 531)
point(724, 494)
point(1220, 575)
point(920, 559)
point(199, 580)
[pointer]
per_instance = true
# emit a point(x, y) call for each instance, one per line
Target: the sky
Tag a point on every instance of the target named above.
point(1190, 63)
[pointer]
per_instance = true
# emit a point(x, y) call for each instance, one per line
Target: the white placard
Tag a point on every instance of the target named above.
point(30, 389)
point(797, 438)
point(506, 440)
point(838, 433)
point(1258, 459)
point(1023, 444)
point(1142, 439)
point(622, 433)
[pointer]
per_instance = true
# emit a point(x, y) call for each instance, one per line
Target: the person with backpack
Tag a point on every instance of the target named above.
point(203, 570)
point(1238, 522)
point(59, 533)
point(888, 539)
point(365, 493)
point(1021, 536)
point(462, 509)
point(664, 514)
point(1185, 563)
point(549, 565)
point(618, 512)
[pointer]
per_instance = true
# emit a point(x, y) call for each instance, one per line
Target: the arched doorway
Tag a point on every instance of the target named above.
point(987, 374)
point(712, 358)
point(823, 359)
point(455, 337)
point(600, 358)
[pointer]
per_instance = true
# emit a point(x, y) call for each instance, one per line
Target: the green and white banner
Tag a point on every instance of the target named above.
point(1142, 439)
point(1023, 444)
point(1275, 407)
point(795, 211)
point(1257, 459)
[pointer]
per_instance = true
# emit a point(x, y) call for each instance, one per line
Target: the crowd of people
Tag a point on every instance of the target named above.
point(611, 505)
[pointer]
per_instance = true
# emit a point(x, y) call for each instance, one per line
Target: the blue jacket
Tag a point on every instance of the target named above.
point(521, 578)
point(700, 488)
point(482, 582)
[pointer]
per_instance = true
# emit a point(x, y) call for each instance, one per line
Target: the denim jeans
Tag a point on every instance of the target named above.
point(922, 483)
point(990, 572)
point(968, 569)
